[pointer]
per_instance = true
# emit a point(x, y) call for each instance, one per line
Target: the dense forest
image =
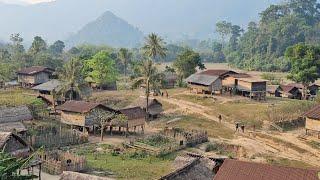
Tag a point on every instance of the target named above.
point(262, 46)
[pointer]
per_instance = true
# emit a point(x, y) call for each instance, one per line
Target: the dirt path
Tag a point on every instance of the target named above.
point(256, 145)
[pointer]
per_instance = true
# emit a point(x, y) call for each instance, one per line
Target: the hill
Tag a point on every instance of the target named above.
point(172, 19)
point(107, 29)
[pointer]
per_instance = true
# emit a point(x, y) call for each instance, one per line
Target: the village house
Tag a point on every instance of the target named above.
point(274, 90)
point(31, 76)
point(312, 90)
point(79, 114)
point(14, 145)
point(204, 84)
point(252, 87)
point(154, 106)
point(290, 92)
point(170, 80)
point(11, 119)
point(240, 170)
point(46, 91)
point(312, 118)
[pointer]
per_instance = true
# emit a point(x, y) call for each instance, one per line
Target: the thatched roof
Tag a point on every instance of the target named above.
point(12, 126)
point(155, 107)
point(14, 114)
point(68, 175)
point(218, 72)
point(133, 113)
point(313, 113)
point(81, 106)
point(48, 86)
point(240, 170)
point(5, 136)
point(34, 70)
point(202, 79)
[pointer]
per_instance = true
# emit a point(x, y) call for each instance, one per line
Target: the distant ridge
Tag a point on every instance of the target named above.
point(108, 29)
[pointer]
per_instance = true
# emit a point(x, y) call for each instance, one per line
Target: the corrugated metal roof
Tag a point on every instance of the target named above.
point(202, 79)
point(240, 170)
point(48, 86)
point(218, 72)
point(80, 106)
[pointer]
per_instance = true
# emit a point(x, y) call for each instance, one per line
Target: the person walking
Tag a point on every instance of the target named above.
point(237, 127)
point(242, 128)
point(220, 118)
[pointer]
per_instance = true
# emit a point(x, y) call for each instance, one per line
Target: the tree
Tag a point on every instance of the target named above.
point(73, 83)
point(17, 49)
point(154, 46)
point(125, 57)
point(101, 68)
point(38, 45)
point(305, 64)
point(186, 64)
point(102, 118)
point(148, 73)
point(57, 47)
point(224, 29)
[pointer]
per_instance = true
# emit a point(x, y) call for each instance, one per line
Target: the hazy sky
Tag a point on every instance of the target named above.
point(24, 1)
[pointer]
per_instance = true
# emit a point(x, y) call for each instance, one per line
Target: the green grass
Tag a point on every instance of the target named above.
point(126, 167)
point(15, 97)
point(288, 163)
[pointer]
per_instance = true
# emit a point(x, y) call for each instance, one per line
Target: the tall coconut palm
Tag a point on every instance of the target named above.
point(72, 80)
point(154, 46)
point(125, 57)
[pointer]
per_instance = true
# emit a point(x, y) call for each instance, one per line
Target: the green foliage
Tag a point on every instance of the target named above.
point(272, 78)
point(156, 140)
point(101, 68)
point(154, 46)
point(186, 64)
point(305, 63)
point(263, 45)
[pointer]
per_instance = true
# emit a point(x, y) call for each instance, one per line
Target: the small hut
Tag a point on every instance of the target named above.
point(14, 145)
point(154, 106)
point(170, 80)
point(47, 91)
point(79, 113)
point(11, 119)
point(290, 92)
point(313, 119)
point(252, 87)
point(136, 117)
point(274, 90)
point(31, 76)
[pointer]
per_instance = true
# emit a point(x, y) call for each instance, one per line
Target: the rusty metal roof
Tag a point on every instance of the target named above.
point(313, 113)
point(218, 72)
point(240, 170)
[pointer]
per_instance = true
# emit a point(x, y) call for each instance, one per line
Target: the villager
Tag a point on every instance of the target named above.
point(220, 118)
point(167, 95)
point(161, 94)
point(237, 127)
point(242, 128)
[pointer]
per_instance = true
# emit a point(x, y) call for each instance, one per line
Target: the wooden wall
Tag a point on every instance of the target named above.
point(229, 82)
point(312, 124)
point(244, 85)
point(136, 122)
point(38, 78)
point(71, 118)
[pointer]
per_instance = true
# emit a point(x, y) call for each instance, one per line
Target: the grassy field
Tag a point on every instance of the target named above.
point(128, 165)
point(15, 97)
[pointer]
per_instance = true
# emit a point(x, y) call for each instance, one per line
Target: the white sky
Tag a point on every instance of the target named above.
point(24, 1)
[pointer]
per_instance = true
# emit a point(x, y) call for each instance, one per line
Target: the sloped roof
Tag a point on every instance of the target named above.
point(48, 86)
point(287, 88)
point(133, 113)
point(217, 72)
point(313, 113)
point(34, 70)
point(272, 88)
point(252, 79)
point(80, 106)
point(240, 170)
point(14, 114)
point(155, 107)
point(202, 79)
point(5, 136)
point(68, 175)
point(12, 126)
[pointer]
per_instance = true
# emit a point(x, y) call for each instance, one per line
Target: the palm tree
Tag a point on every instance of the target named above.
point(125, 57)
point(72, 80)
point(154, 46)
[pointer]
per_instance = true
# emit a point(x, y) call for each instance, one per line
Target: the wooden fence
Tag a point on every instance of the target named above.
point(56, 162)
point(51, 140)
